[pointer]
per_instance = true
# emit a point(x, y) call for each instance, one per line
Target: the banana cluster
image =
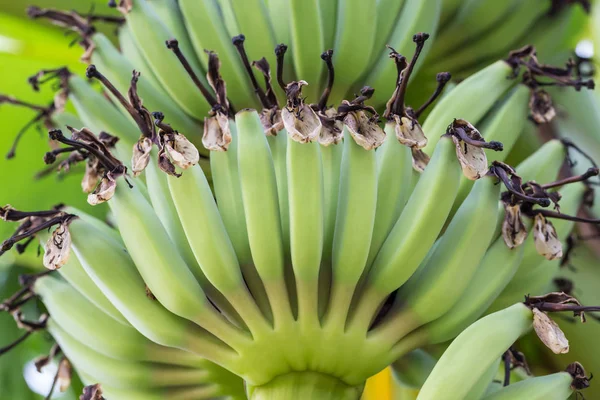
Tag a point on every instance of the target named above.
point(302, 248)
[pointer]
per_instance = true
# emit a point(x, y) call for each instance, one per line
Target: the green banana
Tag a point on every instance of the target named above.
point(416, 16)
point(150, 31)
point(434, 289)
point(206, 31)
point(307, 43)
point(480, 344)
point(470, 100)
point(228, 194)
point(550, 387)
point(262, 210)
point(306, 208)
point(113, 271)
point(504, 125)
point(423, 216)
point(479, 388)
point(496, 41)
point(117, 68)
point(74, 273)
point(352, 33)
point(353, 225)
point(473, 18)
point(412, 369)
point(388, 13)
point(127, 375)
point(278, 147)
point(128, 46)
point(394, 185)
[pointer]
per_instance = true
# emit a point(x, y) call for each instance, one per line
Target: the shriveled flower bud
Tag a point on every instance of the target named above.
point(91, 177)
point(364, 130)
point(540, 104)
point(141, 155)
point(124, 6)
point(65, 371)
point(299, 119)
point(331, 128)
point(473, 160)
point(58, 247)
point(181, 151)
point(545, 238)
point(92, 392)
point(580, 380)
point(409, 132)
point(217, 134)
point(549, 332)
point(514, 231)
point(104, 191)
point(60, 100)
point(271, 121)
point(420, 159)
point(4, 211)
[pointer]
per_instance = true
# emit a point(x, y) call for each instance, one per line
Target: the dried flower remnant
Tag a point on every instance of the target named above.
point(470, 147)
point(331, 127)
point(407, 127)
point(580, 380)
point(537, 75)
point(514, 231)
point(545, 238)
point(549, 332)
point(58, 247)
point(364, 129)
point(92, 392)
point(141, 155)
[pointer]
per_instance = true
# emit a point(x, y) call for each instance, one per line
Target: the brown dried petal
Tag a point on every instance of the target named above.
point(60, 100)
point(181, 151)
point(367, 133)
point(540, 104)
point(92, 392)
point(545, 238)
point(409, 132)
point(514, 231)
point(104, 191)
point(271, 121)
point(58, 248)
point(125, 6)
point(91, 177)
point(65, 372)
point(141, 155)
point(165, 164)
point(473, 160)
point(302, 123)
point(549, 332)
point(217, 134)
point(420, 159)
point(90, 47)
point(331, 128)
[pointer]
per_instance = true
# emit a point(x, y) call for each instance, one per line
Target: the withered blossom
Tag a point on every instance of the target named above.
point(549, 332)
point(407, 128)
point(546, 239)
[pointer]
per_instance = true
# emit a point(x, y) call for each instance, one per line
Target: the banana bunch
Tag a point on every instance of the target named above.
point(302, 247)
point(111, 351)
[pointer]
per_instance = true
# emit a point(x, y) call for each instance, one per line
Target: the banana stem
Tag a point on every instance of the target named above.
point(305, 385)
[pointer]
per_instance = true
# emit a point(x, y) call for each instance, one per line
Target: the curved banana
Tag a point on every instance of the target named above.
point(150, 31)
point(415, 16)
point(394, 186)
point(113, 271)
point(470, 100)
point(414, 232)
point(117, 68)
point(550, 387)
point(353, 226)
point(434, 289)
point(207, 31)
point(262, 210)
point(306, 208)
point(481, 344)
point(128, 46)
